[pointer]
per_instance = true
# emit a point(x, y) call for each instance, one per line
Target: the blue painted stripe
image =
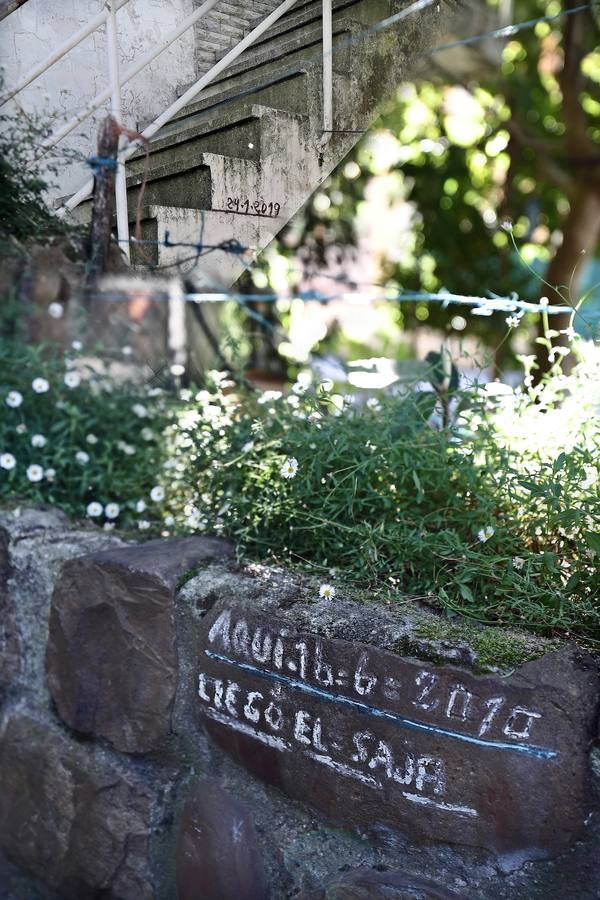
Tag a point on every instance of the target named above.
point(528, 750)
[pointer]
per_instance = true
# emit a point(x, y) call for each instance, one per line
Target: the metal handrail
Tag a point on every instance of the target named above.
point(108, 18)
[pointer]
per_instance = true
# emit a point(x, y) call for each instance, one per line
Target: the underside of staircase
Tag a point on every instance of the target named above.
point(239, 162)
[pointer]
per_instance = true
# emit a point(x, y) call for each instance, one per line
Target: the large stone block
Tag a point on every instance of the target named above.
point(71, 817)
point(218, 856)
point(111, 659)
point(34, 544)
point(377, 741)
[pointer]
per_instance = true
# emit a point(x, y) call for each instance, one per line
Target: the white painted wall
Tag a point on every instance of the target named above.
point(30, 34)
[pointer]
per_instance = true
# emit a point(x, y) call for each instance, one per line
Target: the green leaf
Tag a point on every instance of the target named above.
point(466, 593)
point(559, 462)
point(592, 539)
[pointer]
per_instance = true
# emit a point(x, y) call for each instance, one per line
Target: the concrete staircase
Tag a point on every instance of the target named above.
point(243, 159)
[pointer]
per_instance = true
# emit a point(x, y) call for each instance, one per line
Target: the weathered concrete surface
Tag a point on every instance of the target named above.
point(375, 741)
point(366, 884)
point(70, 817)
point(218, 857)
point(111, 657)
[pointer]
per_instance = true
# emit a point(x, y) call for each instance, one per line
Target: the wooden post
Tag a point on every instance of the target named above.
point(105, 167)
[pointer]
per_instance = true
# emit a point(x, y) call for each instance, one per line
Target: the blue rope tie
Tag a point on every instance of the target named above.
point(102, 162)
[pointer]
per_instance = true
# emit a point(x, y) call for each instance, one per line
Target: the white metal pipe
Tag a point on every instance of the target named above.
point(115, 88)
point(143, 61)
point(327, 67)
point(84, 192)
point(61, 51)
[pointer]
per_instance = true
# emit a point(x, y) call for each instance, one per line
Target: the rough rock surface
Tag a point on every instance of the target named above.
point(217, 850)
point(377, 741)
point(70, 817)
point(111, 658)
point(300, 850)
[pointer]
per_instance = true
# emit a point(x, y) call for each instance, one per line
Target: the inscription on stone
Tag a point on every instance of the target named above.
point(376, 741)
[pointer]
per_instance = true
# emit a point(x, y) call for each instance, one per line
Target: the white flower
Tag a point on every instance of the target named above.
point(140, 411)
point(49, 474)
point(38, 440)
point(518, 563)
point(544, 302)
point(484, 534)
point(126, 351)
point(14, 399)
point(289, 468)
point(94, 509)
point(373, 403)
point(506, 224)
point(35, 472)
point(147, 434)
point(128, 450)
point(55, 310)
point(7, 461)
point(40, 385)
point(76, 345)
point(326, 591)
point(72, 379)
point(143, 524)
point(140, 506)
point(21, 428)
point(248, 446)
point(269, 396)
point(157, 493)
point(82, 457)
point(91, 438)
point(513, 321)
point(293, 400)
point(112, 510)
point(169, 520)
point(315, 417)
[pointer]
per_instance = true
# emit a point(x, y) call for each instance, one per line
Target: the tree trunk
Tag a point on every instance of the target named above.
point(105, 166)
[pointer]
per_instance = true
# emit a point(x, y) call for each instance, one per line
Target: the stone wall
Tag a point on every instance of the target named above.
point(177, 726)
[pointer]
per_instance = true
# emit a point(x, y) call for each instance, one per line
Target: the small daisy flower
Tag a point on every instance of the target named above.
point(55, 310)
point(518, 563)
point(112, 510)
point(289, 468)
point(513, 321)
point(14, 399)
point(484, 534)
point(506, 224)
point(140, 506)
point(82, 457)
point(143, 524)
point(35, 472)
point(326, 591)
point(157, 493)
point(293, 400)
point(94, 509)
point(140, 411)
point(91, 439)
point(169, 520)
point(147, 434)
point(49, 474)
point(249, 445)
point(40, 385)
point(72, 379)
point(76, 345)
point(128, 450)
point(21, 428)
point(7, 461)
point(38, 440)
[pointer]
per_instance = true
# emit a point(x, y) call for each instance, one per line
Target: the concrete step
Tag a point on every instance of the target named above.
point(237, 135)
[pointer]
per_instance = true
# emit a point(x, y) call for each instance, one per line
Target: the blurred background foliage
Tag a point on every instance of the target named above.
point(424, 194)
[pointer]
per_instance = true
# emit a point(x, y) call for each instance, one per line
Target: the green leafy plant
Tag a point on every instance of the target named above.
point(84, 442)
point(443, 495)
